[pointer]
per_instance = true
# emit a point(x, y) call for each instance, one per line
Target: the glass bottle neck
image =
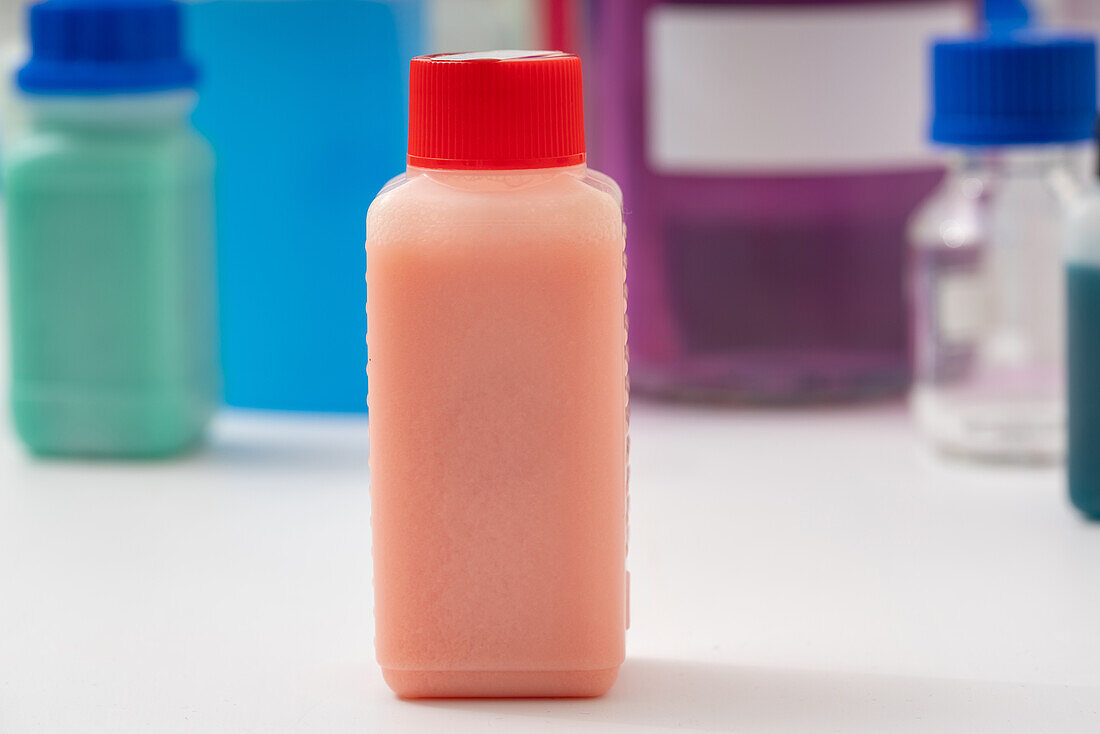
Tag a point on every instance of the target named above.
point(1065, 169)
point(1038, 160)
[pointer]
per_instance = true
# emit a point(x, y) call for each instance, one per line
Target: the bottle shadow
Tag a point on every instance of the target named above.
point(708, 697)
point(278, 456)
point(258, 441)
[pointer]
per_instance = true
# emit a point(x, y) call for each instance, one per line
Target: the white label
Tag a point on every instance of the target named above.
point(743, 88)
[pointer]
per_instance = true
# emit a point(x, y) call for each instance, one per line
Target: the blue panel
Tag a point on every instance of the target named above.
point(305, 102)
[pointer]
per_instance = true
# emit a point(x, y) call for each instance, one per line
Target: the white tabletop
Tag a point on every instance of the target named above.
point(792, 571)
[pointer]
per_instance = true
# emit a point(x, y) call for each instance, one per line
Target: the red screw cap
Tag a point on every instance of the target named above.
point(496, 110)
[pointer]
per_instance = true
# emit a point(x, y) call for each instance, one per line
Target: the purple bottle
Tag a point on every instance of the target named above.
point(770, 153)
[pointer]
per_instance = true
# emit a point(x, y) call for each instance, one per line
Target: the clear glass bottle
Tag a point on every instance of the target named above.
point(987, 277)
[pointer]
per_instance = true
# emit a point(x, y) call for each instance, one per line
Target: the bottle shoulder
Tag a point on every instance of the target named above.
point(560, 203)
point(952, 215)
point(48, 151)
point(969, 204)
point(516, 183)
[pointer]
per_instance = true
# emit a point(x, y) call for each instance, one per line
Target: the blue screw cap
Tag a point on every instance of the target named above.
point(105, 47)
point(1019, 88)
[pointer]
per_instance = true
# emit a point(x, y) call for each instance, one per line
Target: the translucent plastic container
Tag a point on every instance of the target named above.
point(496, 312)
point(988, 282)
point(767, 218)
point(110, 238)
point(1083, 349)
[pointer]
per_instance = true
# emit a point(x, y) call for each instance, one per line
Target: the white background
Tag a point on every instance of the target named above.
point(792, 572)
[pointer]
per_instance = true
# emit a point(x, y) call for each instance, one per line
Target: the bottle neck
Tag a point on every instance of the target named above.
point(129, 113)
point(1022, 161)
point(1064, 168)
point(495, 180)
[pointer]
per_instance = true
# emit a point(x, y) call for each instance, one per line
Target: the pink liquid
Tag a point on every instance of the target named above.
point(498, 433)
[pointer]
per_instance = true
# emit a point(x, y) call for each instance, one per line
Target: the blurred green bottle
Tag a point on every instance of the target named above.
point(110, 236)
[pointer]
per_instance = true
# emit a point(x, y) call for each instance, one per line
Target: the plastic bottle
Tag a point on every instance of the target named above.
point(770, 154)
point(1083, 349)
point(988, 277)
point(305, 104)
point(110, 238)
point(496, 316)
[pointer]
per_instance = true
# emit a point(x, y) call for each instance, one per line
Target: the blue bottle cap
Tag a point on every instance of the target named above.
point(105, 47)
point(1020, 88)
